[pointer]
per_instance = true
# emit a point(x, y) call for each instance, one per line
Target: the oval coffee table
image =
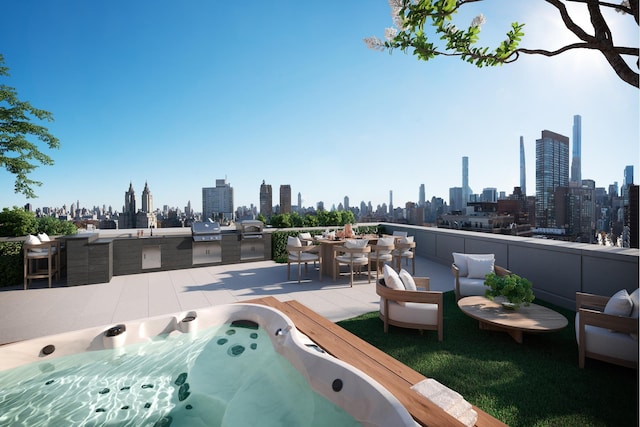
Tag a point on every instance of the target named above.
point(531, 319)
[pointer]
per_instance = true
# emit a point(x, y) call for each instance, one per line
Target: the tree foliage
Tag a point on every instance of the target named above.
point(18, 222)
point(411, 16)
point(18, 155)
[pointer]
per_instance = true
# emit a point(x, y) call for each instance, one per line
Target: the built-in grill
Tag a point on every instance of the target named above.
point(205, 231)
point(207, 242)
point(250, 236)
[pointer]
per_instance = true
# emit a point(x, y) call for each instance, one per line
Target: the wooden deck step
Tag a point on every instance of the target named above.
point(395, 376)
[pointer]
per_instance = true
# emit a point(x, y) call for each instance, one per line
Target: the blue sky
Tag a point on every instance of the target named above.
point(179, 94)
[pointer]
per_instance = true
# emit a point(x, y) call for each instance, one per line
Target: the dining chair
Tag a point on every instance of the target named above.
point(354, 253)
point(404, 249)
point(381, 252)
point(297, 253)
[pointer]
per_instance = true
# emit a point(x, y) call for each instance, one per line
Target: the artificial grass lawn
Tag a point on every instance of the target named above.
point(537, 383)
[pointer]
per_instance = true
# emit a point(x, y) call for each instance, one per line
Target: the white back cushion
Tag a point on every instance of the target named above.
point(355, 243)
point(619, 304)
point(32, 240)
point(391, 279)
point(43, 237)
point(479, 267)
point(407, 280)
point(460, 260)
point(636, 305)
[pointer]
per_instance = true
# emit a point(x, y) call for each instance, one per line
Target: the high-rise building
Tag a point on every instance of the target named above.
point(422, 199)
point(552, 171)
point(455, 199)
point(576, 169)
point(346, 203)
point(523, 170)
point(285, 199)
point(147, 199)
point(466, 190)
point(489, 194)
point(299, 201)
point(217, 202)
point(628, 175)
point(391, 202)
point(266, 200)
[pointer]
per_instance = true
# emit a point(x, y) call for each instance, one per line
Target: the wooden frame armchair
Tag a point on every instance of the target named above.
point(402, 308)
point(603, 336)
point(477, 283)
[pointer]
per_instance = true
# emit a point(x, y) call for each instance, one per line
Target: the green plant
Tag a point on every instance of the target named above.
point(515, 289)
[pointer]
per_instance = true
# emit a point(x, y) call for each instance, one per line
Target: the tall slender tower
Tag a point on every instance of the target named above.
point(523, 170)
point(421, 196)
point(466, 190)
point(576, 169)
point(147, 199)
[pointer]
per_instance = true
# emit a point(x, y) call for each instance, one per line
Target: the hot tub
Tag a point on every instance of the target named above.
point(228, 365)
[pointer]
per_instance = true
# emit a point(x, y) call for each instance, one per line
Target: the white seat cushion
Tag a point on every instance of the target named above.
point(359, 259)
point(472, 287)
point(412, 312)
point(303, 256)
point(603, 341)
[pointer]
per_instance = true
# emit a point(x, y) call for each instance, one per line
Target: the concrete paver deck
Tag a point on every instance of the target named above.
point(41, 311)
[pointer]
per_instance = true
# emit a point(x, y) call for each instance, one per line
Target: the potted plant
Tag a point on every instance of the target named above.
point(515, 289)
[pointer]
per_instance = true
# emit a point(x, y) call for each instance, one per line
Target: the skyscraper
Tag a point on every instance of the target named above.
point(285, 198)
point(217, 202)
point(523, 170)
point(628, 175)
point(299, 201)
point(421, 196)
point(147, 199)
point(576, 169)
point(552, 171)
point(466, 190)
point(266, 200)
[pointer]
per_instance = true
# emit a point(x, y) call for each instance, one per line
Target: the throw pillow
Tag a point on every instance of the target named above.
point(391, 279)
point(32, 240)
point(479, 267)
point(43, 237)
point(407, 280)
point(294, 241)
point(636, 304)
point(619, 304)
point(635, 311)
point(460, 260)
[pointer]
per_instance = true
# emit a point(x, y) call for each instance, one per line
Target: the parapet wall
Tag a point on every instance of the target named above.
point(557, 269)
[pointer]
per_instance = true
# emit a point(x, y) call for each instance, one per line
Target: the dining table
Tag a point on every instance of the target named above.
point(327, 246)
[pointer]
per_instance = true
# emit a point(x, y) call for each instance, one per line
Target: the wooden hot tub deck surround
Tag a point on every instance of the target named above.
point(395, 376)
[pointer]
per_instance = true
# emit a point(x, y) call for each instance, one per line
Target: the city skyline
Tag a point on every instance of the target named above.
point(157, 92)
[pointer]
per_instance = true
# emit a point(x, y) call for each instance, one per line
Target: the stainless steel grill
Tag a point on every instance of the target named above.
point(207, 243)
point(250, 236)
point(205, 231)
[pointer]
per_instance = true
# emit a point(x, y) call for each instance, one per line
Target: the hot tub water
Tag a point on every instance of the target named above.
point(228, 375)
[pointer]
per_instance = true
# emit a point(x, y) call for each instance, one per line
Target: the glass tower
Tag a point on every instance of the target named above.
point(552, 171)
point(576, 169)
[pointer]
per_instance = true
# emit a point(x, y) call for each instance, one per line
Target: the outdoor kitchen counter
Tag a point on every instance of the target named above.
point(95, 259)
